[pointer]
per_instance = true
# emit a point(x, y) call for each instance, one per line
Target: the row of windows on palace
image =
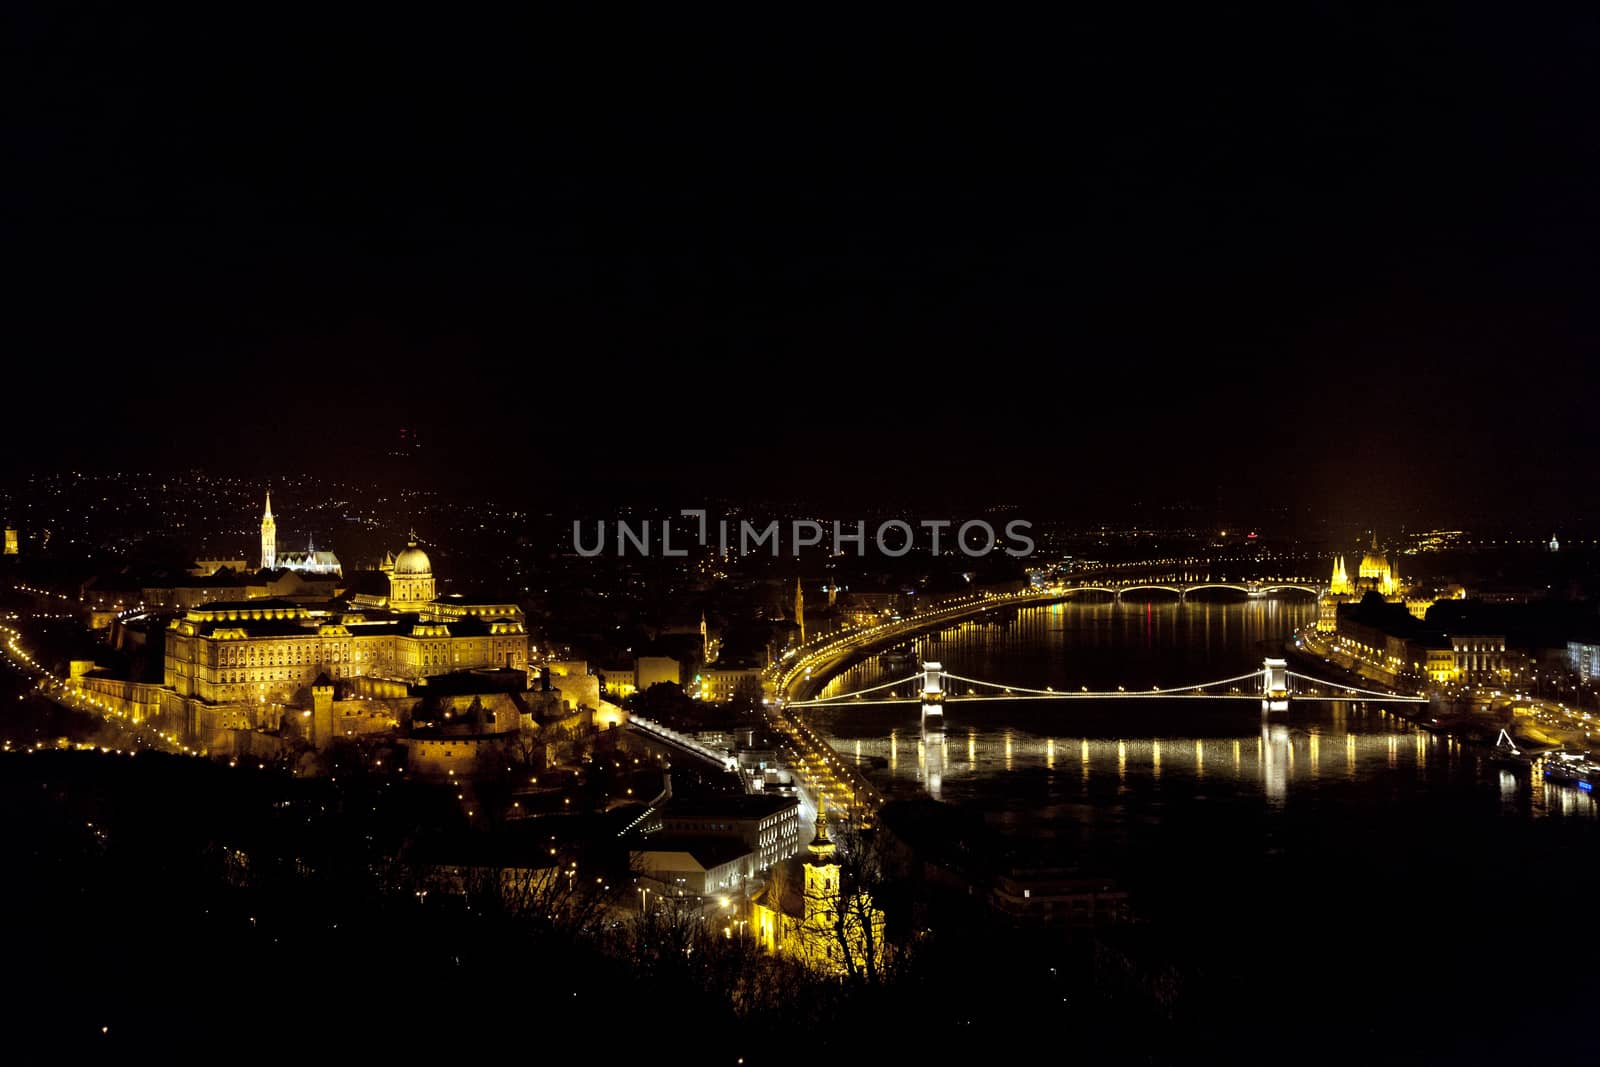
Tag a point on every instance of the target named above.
point(241, 657)
point(228, 677)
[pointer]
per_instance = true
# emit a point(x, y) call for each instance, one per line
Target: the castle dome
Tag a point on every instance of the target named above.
point(413, 561)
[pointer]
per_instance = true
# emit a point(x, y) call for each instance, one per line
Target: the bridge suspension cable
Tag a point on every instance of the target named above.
point(1341, 687)
point(1337, 690)
point(862, 692)
point(1253, 675)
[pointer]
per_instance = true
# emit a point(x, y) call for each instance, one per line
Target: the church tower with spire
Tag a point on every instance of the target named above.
point(269, 537)
point(800, 609)
point(822, 866)
point(806, 912)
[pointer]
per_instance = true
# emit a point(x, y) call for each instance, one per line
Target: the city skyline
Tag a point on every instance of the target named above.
point(801, 535)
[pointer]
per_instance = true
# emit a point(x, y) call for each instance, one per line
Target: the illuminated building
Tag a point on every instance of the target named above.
point(269, 650)
point(768, 825)
point(249, 655)
point(1340, 584)
point(269, 537)
point(1584, 659)
point(1374, 574)
point(1389, 637)
point(721, 684)
point(411, 579)
point(310, 561)
point(461, 718)
point(578, 684)
point(806, 911)
point(1479, 657)
point(695, 866)
point(1439, 664)
point(618, 682)
point(11, 542)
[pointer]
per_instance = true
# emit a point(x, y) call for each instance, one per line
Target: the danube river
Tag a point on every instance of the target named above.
point(1077, 769)
point(1333, 850)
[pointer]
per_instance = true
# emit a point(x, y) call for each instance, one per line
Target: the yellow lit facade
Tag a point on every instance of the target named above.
point(411, 579)
point(619, 683)
point(1376, 573)
point(1340, 585)
point(720, 684)
point(1440, 667)
point(270, 651)
point(806, 912)
point(269, 537)
point(1479, 657)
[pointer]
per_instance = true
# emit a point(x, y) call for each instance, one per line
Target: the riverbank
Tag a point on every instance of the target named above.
point(817, 765)
point(812, 670)
point(1454, 719)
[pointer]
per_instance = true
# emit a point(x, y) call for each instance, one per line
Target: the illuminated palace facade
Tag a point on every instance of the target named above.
point(260, 652)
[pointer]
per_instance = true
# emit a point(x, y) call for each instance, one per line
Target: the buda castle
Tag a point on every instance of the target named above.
point(239, 660)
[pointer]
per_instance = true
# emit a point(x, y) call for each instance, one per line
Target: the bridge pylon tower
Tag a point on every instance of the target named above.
point(1274, 685)
point(932, 695)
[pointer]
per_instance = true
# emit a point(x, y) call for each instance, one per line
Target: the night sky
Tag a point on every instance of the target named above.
point(1333, 255)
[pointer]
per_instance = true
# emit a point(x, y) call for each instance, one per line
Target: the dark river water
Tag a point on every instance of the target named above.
point(1335, 852)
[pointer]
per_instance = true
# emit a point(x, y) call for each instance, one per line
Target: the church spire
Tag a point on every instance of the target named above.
point(1341, 577)
point(269, 537)
point(800, 608)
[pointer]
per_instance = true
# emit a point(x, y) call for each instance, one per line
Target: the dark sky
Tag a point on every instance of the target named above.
point(1335, 254)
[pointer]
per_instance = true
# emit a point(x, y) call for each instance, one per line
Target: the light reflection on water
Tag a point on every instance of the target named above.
point(1135, 759)
point(1336, 855)
point(1282, 757)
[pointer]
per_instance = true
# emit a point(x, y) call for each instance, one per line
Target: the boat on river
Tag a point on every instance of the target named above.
point(1571, 768)
point(1507, 754)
